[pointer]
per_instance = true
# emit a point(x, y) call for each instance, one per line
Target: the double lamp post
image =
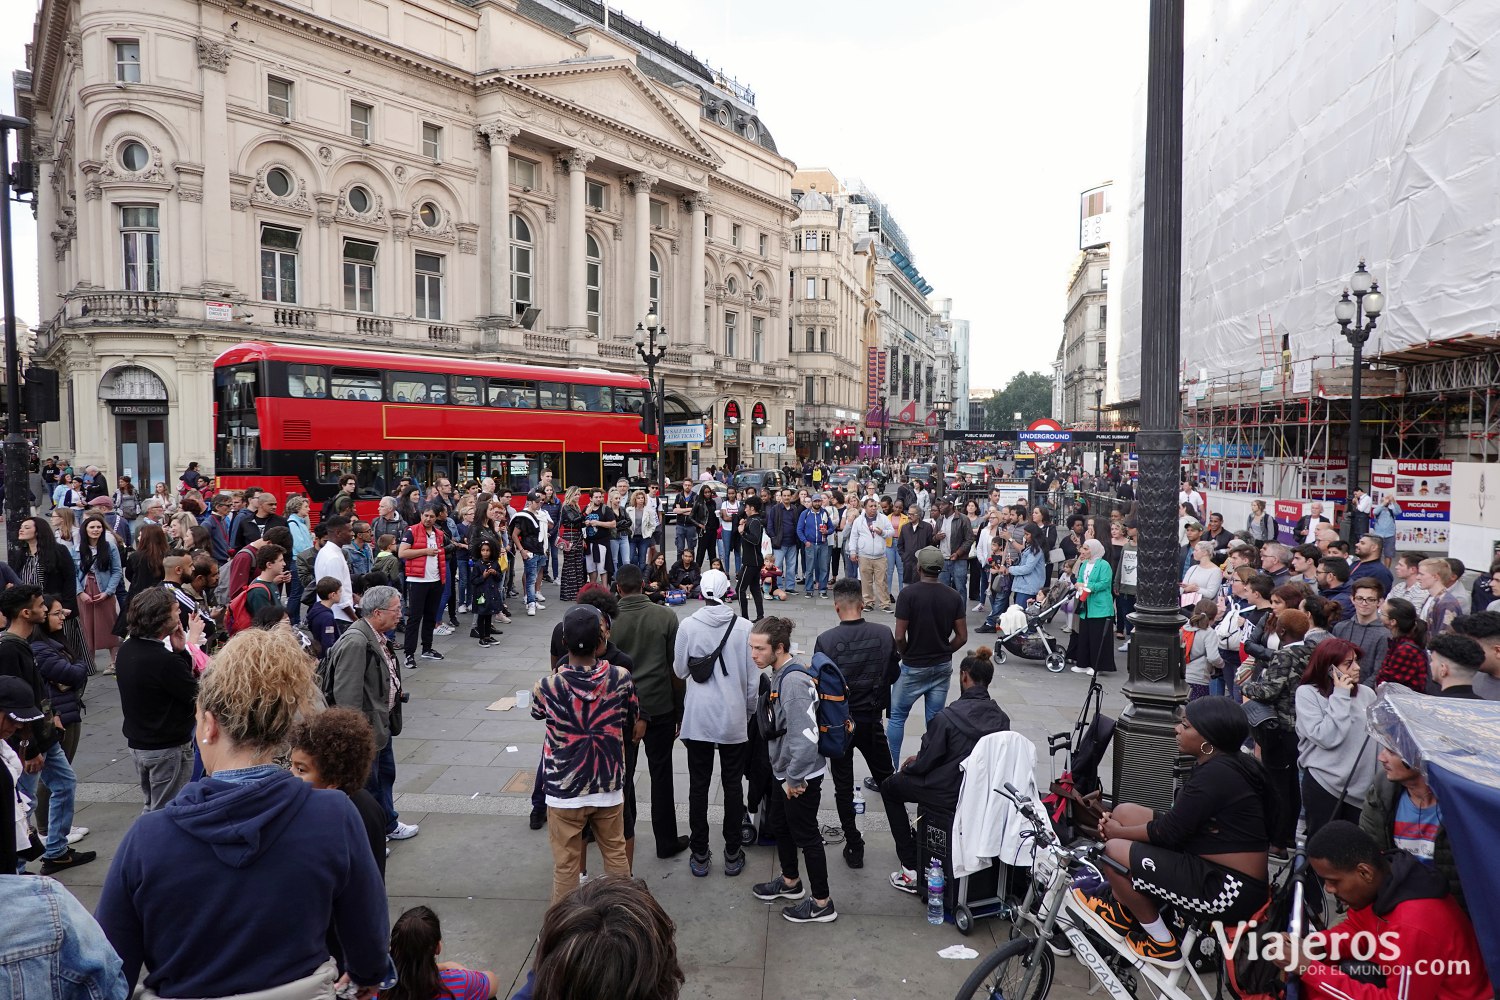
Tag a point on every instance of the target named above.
point(1356, 316)
point(651, 345)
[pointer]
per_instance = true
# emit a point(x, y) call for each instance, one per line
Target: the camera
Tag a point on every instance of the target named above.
point(405, 697)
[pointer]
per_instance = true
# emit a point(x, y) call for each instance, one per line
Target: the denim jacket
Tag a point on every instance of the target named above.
point(109, 581)
point(1029, 573)
point(52, 946)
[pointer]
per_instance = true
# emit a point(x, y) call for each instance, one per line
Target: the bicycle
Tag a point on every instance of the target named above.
point(1023, 968)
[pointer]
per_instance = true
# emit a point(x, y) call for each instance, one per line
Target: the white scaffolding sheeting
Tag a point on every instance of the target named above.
point(1314, 134)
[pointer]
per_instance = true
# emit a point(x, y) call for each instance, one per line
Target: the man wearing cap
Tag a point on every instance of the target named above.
point(715, 713)
point(590, 709)
point(526, 540)
point(930, 627)
point(43, 756)
point(814, 527)
point(112, 520)
point(1192, 530)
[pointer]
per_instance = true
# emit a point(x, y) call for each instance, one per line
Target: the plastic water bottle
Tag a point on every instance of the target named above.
point(859, 801)
point(935, 892)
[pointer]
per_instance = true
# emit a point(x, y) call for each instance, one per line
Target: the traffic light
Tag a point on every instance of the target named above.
point(39, 396)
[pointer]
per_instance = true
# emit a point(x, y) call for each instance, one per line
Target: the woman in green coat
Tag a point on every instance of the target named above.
point(1096, 610)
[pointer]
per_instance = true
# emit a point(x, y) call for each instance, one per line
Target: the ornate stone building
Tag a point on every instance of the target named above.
point(834, 314)
point(511, 179)
point(1082, 351)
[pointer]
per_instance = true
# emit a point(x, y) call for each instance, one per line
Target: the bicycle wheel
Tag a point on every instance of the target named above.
point(1000, 973)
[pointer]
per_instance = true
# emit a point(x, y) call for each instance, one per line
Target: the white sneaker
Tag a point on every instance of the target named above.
point(463, 609)
point(443, 629)
point(541, 600)
point(531, 609)
point(1082, 670)
point(583, 877)
point(1123, 647)
point(77, 833)
point(403, 831)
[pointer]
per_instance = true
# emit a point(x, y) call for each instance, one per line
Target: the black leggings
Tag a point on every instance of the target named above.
point(1278, 752)
point(749, 586)
point(1321, 806)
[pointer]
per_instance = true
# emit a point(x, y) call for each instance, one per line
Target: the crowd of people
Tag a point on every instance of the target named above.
point(261, 683)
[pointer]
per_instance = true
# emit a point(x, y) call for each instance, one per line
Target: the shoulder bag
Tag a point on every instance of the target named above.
point(701, 668)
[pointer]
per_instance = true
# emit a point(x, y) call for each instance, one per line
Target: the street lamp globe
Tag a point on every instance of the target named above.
point(1374, 301)
point(1343, 309)
point(652, 321)
point(640, 335)
point(1361, 281)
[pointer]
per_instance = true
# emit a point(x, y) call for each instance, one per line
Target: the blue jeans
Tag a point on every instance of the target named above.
point(294, 597)
point(447, 595)
point(915, 682)
point(533, 570)
point(638, 547)
point(999, 600)
point(687, 539)
point(728, 549)
point(554, 556)
point(619, 551)
point(894, 572)
point(956, 575)
point(382, 783)
point(62, 785)
point(816, 555)
point(786, 561)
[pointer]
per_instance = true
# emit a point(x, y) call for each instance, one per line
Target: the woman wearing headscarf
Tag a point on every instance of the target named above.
point(1207, 853)
point(1095, 587)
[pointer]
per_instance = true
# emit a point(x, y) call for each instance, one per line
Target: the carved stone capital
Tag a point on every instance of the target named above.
point(497, 133)
point(642, 182)
point(577, 160)
point(698, 201)
point(213, 55)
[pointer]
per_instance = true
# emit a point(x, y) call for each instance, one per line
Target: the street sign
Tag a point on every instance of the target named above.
point(684, 434)
point(770, 445)
point(1044, 443)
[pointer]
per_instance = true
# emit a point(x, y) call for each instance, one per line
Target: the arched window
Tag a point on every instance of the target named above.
point(594, 279)
point(653, 293)
point(521, 274)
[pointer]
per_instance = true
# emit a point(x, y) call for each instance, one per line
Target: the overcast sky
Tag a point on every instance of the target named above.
point(978, 122)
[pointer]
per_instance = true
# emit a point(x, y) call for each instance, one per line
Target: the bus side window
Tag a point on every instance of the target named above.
point(553, 395)
point(356, 383)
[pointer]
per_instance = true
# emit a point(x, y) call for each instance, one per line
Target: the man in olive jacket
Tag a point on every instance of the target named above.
point(362, 672)
point(648, 633)
point(1426, 837)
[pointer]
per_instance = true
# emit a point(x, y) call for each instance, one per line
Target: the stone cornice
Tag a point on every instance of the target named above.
point(746, 191)
point(334, 36)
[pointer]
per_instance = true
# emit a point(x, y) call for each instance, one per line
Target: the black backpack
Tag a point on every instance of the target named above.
point(701, 668)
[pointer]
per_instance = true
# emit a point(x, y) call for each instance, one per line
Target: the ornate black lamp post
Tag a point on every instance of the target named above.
point(651, 345)
point(1357, 317)
point(1145, 742)
point(943, 406)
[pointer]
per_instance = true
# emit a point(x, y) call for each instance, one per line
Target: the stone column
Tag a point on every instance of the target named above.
point(642, 184)
point(218, 250)
point(578, 161)
point(499, 136)
point(697, 204)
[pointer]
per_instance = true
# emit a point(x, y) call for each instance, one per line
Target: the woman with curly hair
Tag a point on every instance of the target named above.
point(249, 854)
point(334, 749)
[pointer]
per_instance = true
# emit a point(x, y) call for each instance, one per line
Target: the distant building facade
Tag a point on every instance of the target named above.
point(269, 171)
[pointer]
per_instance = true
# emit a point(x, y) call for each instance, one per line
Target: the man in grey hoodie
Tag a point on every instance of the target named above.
point(715, 717)
point(788, 719)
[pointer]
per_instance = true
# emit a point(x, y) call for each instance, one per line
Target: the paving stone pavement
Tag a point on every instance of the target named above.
point(464, 774)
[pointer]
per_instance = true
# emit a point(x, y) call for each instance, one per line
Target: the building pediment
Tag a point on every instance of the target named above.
point(612, 91)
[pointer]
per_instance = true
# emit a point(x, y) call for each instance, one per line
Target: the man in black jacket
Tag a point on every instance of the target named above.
point(43, 758)
point(934, 777)
point(158, 693)
point(865, 653)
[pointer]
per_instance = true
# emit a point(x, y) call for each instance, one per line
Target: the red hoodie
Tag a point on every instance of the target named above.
point(1428, 951)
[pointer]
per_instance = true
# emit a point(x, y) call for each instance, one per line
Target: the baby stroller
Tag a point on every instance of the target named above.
point(1021, 630)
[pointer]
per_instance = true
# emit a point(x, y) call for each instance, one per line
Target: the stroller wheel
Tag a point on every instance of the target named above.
point(999, 651)
point(1057, 663)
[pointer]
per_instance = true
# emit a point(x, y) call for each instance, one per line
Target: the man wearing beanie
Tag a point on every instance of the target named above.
point(590, 710)
point(715, 716)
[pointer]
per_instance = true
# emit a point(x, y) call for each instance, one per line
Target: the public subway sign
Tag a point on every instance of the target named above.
point(1045, 436)
point(1423, 489)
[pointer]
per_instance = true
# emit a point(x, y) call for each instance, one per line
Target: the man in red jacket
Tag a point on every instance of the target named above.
point(1404, 937)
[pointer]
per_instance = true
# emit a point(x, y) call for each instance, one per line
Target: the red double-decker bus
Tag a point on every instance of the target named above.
point(292, 419)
